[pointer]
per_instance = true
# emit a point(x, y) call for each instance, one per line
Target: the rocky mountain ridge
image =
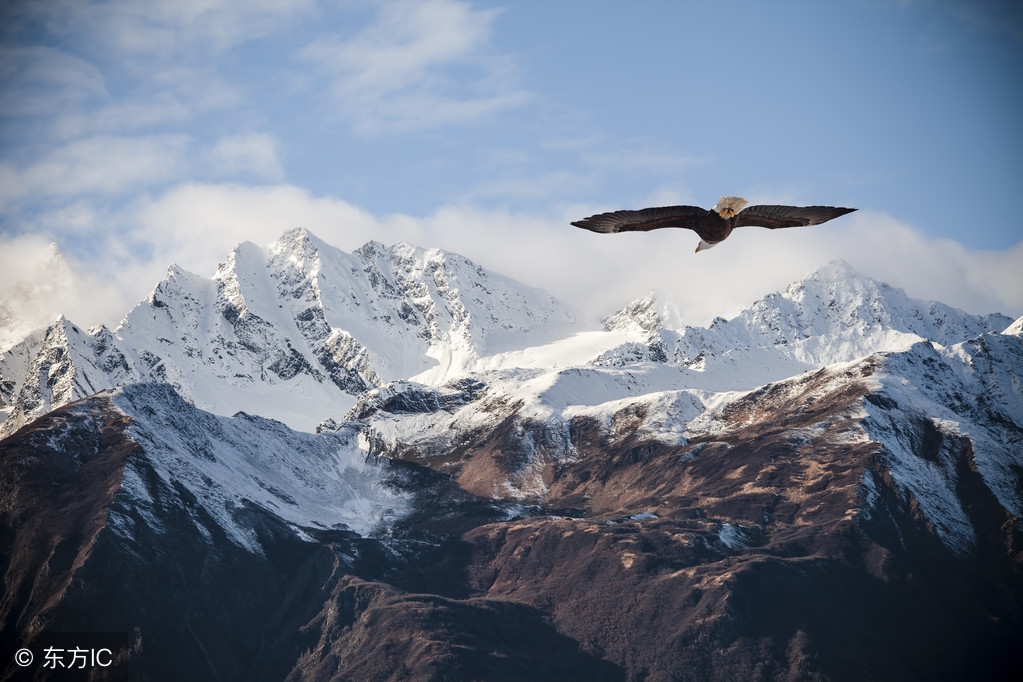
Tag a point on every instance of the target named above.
point(828, 486)
point(285, 330)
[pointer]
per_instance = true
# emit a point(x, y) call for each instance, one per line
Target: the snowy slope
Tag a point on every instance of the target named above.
point(832, 315)
point(294, 331)
point(15, 362)
point(938, 413)
point(506, 432)
point(66, 364)
point(221, 466)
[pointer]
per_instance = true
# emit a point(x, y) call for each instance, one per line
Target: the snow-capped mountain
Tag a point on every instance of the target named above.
point(831, 315)
point(290, 331)
point(827, 486)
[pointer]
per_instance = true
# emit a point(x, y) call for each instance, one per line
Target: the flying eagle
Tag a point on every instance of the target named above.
point(715, 225)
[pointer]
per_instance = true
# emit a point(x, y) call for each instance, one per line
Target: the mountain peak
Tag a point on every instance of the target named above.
point(640, 314)
point(836, 269)
point(838, 276)
point(836, 299)
point(372, 249)
point(299, 243)
point(295, 235)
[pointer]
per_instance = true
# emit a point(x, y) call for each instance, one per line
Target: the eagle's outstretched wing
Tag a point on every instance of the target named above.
point(643, 220)
point(773, 217)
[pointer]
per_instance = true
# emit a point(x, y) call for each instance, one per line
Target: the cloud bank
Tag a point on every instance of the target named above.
point(195, 226)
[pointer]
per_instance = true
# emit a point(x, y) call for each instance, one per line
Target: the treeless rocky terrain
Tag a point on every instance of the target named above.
point(748, 553)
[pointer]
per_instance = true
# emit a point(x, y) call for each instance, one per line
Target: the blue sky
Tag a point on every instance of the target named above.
point(136, 134)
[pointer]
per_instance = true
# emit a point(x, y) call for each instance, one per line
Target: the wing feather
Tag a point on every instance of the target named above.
point(644, 219)
point(773, 217)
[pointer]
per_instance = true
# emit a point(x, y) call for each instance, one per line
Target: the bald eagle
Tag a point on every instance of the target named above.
point(715, 225)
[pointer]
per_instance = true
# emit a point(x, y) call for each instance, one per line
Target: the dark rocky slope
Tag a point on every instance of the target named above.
point(778, 545)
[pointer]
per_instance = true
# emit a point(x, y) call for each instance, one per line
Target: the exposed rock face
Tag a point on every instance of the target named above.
point(779, 538)
point(762, 551)
point(640, 314)
point(372, 631)
point(104, 529)
point(628, 504)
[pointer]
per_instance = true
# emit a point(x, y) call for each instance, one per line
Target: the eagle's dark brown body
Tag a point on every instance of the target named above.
point(713, 227)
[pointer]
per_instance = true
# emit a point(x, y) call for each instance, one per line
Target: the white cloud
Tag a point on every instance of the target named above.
point(639, 159)
point(196, 225)
point(37, 283)
point(51, 95)
point(538, 186)
point(253, 154)
point(202, 89)
point(394, 74)
point(596, 166)
point(598, 272)
point(106, 164)
point(130, 115)
point(38, 81)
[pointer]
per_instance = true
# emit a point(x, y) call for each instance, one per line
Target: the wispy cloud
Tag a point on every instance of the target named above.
point(196, 225)
point(105, 164)
point(523, 187)
point(588, 167)
point(53, 95)
point(38, 81)
point(124, 105)
point(166, 27)
point(420, 64)
point(253, 154)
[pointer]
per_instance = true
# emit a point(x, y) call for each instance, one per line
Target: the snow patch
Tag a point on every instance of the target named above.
point(309, 481)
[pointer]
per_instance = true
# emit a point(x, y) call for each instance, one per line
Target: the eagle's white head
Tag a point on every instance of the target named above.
point(728, 206)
